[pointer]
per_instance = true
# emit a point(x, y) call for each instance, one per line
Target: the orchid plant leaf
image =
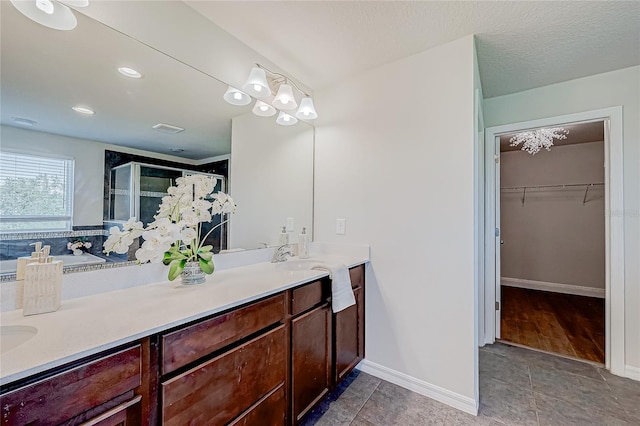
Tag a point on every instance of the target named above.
point(206, 266)
point(175, 269)
point(170, 256)
point(206, 256)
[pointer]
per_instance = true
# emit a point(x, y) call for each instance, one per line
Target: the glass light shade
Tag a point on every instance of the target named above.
point(236, 97)
point(76, 3)
point(307, 111)
point(285, 119)
point(263, 109)
point(257, 84)
point(284, 98)
point(45, 5)
point(62, 18)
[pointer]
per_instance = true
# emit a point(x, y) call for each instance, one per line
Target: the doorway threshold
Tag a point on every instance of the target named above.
point(517, 345)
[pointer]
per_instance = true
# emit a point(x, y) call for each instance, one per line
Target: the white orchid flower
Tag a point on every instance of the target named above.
point(187, 235)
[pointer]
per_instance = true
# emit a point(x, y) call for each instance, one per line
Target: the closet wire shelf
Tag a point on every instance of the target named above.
point(555, 186)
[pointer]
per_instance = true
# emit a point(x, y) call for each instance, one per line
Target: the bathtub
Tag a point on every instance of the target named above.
point(9, 266)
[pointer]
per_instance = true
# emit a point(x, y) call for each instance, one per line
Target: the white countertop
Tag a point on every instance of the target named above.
point(88, 325)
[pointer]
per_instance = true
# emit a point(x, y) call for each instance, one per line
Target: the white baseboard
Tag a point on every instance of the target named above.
point(632, 372)
point(455, 400)
point(553, 287)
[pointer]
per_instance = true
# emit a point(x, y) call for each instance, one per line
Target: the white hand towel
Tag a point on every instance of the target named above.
point(341, 292)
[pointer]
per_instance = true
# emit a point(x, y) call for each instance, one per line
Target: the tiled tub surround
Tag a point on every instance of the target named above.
point(144, 303)
point(16, 244)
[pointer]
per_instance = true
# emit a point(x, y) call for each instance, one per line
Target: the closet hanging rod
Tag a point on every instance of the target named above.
point(567, 185)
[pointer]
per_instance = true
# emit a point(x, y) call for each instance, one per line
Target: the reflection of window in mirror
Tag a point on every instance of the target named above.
point(36, 192)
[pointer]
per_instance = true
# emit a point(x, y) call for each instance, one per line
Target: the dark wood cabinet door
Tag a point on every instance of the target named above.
point(269, 411)
point(310, 359)
point(349, 337)
point(90, 387)
point(219, 390)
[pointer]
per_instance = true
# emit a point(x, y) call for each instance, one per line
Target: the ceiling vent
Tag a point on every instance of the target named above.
point(167, 128)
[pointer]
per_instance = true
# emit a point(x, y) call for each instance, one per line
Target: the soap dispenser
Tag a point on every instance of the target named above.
point(303, 244)
point(284, 237)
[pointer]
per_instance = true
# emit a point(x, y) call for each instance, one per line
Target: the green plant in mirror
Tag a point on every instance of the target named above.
point(175, 236)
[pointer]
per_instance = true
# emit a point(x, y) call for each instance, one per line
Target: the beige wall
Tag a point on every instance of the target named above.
point(271, 179)
point(553, 237)
point(395, 157)
point(614, 88)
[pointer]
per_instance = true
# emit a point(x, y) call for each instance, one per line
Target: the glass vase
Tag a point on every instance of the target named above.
point(192, 274)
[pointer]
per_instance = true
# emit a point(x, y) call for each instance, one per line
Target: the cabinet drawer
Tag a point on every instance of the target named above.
point(356, 275)
point(269, 411)
point(66, 395)
point(125, 414)
point(220, 389)
point(306, 297)
point(181, 347)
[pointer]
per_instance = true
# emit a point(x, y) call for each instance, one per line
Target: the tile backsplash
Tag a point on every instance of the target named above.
point(16, 244)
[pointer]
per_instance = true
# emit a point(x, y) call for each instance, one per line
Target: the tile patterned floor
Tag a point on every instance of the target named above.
point(517, 387)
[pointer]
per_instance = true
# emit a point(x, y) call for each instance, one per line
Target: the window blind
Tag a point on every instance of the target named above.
point(36, 192)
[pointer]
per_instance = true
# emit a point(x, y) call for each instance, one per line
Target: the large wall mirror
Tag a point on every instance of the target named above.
point(267, 168)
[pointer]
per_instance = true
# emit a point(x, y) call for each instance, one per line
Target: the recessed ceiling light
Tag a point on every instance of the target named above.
point(24, 121)
point(167, 128)
point(83, 110)
point(129, 72)
point(176, 150)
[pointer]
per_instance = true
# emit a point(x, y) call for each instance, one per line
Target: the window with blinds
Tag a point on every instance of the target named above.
point(36, 193)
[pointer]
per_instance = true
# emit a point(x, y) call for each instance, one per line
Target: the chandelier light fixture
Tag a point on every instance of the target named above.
point(534, 140)
point(55, 14)
point(263, 88)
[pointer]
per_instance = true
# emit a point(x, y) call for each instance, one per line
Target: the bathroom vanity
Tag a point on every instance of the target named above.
point(266, 354)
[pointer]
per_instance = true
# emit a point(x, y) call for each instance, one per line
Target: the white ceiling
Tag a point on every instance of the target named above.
point(521, 44)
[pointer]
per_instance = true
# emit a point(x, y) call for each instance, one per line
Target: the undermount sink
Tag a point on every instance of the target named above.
point(12, 336)
point(297, 264)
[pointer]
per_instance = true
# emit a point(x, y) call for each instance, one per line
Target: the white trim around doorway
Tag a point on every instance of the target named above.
point(614, 224)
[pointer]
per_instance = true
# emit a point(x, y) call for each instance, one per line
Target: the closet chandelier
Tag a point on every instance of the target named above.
point(267, 105)
point(54, 14)
point(534, 140)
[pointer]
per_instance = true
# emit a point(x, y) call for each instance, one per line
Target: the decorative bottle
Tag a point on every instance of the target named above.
point(303, 244)
point(284, 237)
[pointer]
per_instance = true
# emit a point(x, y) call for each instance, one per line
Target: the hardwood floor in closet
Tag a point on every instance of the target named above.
point(560, 323)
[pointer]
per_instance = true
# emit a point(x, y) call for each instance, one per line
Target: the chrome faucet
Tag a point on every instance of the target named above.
point(280, 254)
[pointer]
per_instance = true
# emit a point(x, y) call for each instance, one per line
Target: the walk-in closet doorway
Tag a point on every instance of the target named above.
point(552, 237)
point(554, 248)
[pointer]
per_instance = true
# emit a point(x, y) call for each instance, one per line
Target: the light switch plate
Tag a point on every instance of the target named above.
point(341, 226)
point(290, 227)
